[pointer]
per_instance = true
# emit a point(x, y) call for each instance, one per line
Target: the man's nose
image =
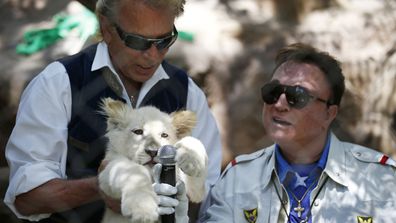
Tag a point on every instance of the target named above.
point(282, 101)
point(152, 52)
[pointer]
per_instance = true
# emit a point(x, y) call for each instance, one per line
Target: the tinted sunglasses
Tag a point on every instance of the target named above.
point(296, 96)
point(138, 42)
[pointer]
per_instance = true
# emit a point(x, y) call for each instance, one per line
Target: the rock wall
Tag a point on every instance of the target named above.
point(361, 34)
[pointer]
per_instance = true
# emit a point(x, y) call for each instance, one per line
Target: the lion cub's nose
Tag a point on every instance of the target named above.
point(151, 152)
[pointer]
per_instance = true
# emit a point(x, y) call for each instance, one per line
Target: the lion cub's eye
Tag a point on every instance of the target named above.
point(138, 131)
point(164, 135)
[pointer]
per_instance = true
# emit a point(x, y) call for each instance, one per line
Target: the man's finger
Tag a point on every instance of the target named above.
point(157, 172)
point(181, 188)
point(165, 201)
point(164, 189)
point(165, 210)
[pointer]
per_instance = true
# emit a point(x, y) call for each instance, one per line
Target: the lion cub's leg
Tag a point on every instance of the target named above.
point(130, 182)
point(192, 159)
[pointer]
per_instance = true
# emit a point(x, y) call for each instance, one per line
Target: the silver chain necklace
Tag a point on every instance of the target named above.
point(299, 209)
point(309, 210)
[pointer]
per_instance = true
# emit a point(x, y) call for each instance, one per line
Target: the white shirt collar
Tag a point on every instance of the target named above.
point(102, 59)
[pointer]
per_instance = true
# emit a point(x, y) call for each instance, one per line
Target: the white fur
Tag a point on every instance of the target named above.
point(128, 174)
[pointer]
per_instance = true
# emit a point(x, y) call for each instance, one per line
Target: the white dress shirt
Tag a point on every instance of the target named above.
point(37, 148)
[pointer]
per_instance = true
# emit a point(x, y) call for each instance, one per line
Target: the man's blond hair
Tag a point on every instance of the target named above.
point(108, 8)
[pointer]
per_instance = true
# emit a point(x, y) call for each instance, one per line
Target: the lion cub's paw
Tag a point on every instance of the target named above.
point(191, 156)
point(143, 209)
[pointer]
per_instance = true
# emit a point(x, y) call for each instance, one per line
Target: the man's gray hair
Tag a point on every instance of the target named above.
point(108, 8)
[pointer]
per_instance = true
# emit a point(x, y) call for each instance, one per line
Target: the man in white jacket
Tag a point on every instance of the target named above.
point(308, 175)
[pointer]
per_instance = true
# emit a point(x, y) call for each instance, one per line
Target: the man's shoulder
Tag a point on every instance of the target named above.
point(370, 172)
point(249, 161)
point(367, 155)
point(365, 165)
point(361, 155)
point(248, 172)
point(86, 54)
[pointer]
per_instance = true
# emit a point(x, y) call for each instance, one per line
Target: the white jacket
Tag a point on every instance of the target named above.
point(361, 183)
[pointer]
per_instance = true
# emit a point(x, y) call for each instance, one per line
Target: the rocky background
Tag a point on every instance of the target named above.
point(231, 56)
point(236, 41)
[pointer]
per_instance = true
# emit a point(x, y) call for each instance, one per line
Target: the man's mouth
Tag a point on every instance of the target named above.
point(146, 67)
point(280, 121)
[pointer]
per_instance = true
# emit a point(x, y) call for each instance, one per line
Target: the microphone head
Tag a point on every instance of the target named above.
point(166, 155)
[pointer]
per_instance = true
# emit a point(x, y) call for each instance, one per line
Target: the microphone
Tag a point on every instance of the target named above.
point(166, 155)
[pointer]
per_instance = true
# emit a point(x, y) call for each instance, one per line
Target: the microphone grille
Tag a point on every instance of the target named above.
point(166, 154)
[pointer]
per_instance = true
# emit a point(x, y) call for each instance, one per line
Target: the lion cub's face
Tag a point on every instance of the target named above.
point(139, 133)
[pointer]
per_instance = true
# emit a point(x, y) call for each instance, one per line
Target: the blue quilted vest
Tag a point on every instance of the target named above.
point(86, 141)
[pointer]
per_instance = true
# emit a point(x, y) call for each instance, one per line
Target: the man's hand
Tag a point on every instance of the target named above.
point(167, 204)
point(111, 203)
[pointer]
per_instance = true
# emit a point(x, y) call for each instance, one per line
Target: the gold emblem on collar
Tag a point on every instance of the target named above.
point(361, 219)
point(250, 215)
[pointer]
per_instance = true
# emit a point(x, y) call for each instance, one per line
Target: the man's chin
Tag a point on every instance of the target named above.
point(280, 137)
point(143, 74)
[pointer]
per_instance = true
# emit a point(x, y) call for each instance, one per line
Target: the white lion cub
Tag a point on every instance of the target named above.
point(134, 137)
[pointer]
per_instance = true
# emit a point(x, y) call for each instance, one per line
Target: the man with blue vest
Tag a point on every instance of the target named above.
point(57, 143)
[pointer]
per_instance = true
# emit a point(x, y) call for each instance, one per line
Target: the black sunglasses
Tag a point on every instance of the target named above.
point(296, 96)
point(137, 42)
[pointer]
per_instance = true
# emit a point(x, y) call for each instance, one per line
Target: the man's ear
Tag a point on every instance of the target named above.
point(105, 28)
point(332, 112)
point(184, 122)
point(114, 110)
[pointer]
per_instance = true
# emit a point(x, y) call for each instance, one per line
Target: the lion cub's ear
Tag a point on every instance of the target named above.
point(184, 122)
point(114, 111)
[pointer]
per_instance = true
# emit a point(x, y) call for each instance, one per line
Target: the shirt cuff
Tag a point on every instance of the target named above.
point(22, 181)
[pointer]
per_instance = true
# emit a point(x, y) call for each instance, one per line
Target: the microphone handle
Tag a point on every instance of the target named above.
point(168, 176)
